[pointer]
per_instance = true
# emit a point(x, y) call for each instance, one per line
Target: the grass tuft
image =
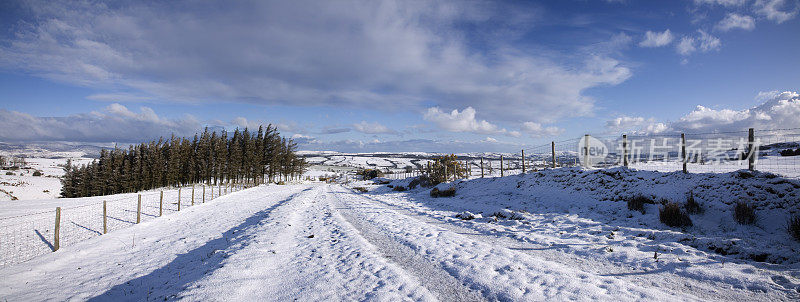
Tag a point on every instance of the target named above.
point(672, 215)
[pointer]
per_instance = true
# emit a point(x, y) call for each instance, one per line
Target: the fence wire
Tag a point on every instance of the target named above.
point(25, 236)
point(776, 151)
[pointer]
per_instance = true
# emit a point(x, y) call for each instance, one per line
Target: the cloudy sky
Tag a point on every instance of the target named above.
point(396, 75)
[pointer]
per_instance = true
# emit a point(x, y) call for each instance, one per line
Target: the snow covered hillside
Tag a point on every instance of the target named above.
point(45, 158)
point(560, 234)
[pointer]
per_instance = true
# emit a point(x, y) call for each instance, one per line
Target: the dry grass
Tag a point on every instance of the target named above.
point(744, 213)
point(794, 227)
point(691, 205)
point(637, 202)
point(672, 215)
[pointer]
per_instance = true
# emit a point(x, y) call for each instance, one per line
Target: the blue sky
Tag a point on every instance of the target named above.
point(450, 76)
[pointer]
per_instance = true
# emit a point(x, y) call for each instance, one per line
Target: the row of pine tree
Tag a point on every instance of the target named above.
point(211, 158)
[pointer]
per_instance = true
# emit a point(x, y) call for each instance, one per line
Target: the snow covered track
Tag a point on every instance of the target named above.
point(321, 243)
point(274, 243)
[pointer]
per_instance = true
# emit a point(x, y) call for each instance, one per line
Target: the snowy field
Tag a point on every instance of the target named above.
point(27, 226)
point(22, 185)
point(571, 238)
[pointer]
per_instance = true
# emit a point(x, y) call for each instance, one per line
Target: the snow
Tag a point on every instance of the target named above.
point(22, 185)
point(27, 226)
point(559, 234)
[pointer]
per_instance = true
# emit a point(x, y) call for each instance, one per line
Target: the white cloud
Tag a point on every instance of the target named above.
point(413, 145)
point(360, 54)
point(116, 123)
point(372, 128)
point(635, 125)
point(702, 42)
point(686, 46)
point(301, 136)
point(242, 122)
point(720, 2)
point(708, 42)
point(773, 10)
point(537, 130)
point(463, 121)
point(656, 39)
point(778, 112)
point(734, 21)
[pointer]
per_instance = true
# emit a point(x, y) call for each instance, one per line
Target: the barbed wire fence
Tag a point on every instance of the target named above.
point(775, 151)
point(25, 236)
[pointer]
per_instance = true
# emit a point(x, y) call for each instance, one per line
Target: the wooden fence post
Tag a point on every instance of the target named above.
point(161, 204)
point(105, 219)
point(683, 151)
point(523, 161)
point(204, 193)
point(501, 166)
point(192, 195)
point(481, 167)
point(179, 199)
point(625, 150)
point(139, 209)
point(751, 148)
point(56, 239)
point(553, 149)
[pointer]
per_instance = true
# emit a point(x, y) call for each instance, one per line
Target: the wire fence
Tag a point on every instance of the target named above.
point(27, 235)
point(775, 151)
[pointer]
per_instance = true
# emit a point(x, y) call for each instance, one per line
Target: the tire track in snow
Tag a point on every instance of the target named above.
point(436, 279)
point(305, 252)
point(498, 272)
point(709, 290)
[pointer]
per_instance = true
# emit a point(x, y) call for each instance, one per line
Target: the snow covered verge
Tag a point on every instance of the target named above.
point(27, 227)
point(583, 213)
point(21, 184)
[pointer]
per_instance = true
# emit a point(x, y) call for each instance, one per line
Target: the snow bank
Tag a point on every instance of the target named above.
point(600, 195)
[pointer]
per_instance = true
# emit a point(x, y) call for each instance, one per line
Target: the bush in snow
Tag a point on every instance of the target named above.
point(508, 214)
point(399, 188)
point(37, 173)
point(421, 180)
point(443, 193)
point(794, 227)
point(9, 173)
point(450, 192)
point(691, 205)
point(361, 189)
point(637, 202)
point(672, 215)
point(744, 213)
point(444, 168)
point(368, 174)
point(465, 216)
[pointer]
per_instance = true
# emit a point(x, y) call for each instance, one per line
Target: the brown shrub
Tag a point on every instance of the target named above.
point(691, 205)
point(672, 215)
point(637, 202)
point(443, 193)
point(744, 213)
point(794, 227)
